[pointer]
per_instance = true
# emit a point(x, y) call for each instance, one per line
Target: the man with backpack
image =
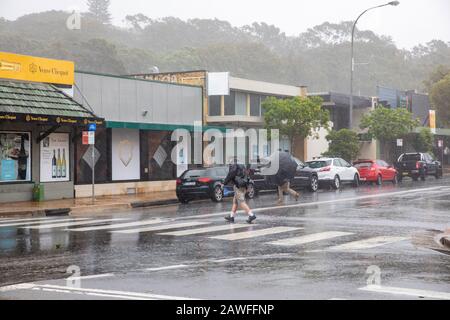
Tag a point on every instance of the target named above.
point(239, 177)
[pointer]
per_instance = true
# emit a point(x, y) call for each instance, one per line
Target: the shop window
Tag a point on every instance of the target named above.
point(241, 104)
point(214, 105)
point(15, 156)
point(230, 107)
point(161, 167)
point(255, 105)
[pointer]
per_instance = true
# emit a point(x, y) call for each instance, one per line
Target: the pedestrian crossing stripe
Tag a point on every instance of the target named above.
point(41, 222)
point(24, 220)
point(367, 243)
point(189, 232)
point(310, 238)
point(69, 224)
point(118, 225)
point(164, 227)
point(255, 233)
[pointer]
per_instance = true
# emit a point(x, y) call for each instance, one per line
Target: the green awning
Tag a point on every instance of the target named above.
point(38, 102)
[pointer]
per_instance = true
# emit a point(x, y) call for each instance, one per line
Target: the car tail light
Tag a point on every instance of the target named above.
point(178, 182)
point(326, 169)
point(204, 180)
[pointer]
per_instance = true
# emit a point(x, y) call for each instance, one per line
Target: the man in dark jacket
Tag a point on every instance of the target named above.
point(286, 172)
point(239, 177)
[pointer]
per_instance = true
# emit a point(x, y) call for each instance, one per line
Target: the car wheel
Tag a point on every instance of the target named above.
point(314, 184)
point(336, 184)
point(395, 180)
point(251, 192)
point(356, 181)
point(379, 180)
point(218, 194)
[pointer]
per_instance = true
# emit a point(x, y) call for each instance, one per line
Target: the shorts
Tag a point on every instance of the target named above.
point(239, 195)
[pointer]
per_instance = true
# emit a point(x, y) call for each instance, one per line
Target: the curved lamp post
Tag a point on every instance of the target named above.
point(392, 3)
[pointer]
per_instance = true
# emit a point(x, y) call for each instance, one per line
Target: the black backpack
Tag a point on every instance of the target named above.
point(241, 179)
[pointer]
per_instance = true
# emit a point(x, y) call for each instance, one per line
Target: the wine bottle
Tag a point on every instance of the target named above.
point(64, 165)
point(54, 166)
point(58, 164)
point(22, 160)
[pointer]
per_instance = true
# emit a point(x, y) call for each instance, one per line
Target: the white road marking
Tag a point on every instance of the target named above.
point(95, 276)
point(367, 243)
point(24, 220)
point(91, 294)
point(165, 227)
point(309, 238)
point(255, 233)
point(119, 225)
point(178, 266)
point(408, 292)
point(126, 294)
point(69, 224)
point(204, 230)
point(24, 224)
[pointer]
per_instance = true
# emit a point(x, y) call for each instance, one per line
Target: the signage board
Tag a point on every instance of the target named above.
point(35, 69)
point(399, 142)
point(55, 158)
point(433, 121)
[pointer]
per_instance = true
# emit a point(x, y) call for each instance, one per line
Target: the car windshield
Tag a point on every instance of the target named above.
point(359, 165)
point(318, 164)
point(411, 157)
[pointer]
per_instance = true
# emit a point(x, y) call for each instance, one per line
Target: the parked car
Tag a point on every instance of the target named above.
point(376, 171)
point(334, 172)
point(206, 183)
point(305, 178)
point(418, 165)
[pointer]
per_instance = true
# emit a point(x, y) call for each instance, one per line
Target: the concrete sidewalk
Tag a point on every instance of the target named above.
point(81, 205)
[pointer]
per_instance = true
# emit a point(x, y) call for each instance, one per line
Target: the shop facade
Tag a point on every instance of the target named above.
point(134, 149)
point(38, 129)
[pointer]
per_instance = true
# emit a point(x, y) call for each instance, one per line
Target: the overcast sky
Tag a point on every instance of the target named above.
point(410, 23)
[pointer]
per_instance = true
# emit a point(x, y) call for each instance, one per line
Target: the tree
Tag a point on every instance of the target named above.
point(99, 9)
point(423, 141)
point(387, 125)
point(440, 100)
point(296, 118)
point(343, 144)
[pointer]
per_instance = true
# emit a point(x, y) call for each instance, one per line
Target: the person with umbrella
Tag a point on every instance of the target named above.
point(282, 179)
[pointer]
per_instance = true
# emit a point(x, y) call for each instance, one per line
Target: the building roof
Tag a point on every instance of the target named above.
point(38, 99)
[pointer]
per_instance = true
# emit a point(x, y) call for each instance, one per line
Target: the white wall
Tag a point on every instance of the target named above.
point(315, 147)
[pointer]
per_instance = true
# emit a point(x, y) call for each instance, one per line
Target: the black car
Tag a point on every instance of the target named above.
point(418, 165)
point(206, 183)
point(305, 177)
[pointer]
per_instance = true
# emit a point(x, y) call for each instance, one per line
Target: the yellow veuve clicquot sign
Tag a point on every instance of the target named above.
point(35, 69)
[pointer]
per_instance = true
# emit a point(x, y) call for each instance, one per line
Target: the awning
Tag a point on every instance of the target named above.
point(42, 104)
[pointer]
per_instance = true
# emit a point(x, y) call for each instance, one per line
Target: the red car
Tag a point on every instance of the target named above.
point(376, 171)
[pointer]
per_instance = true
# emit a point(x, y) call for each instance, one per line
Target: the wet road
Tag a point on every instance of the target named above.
point(348, 244)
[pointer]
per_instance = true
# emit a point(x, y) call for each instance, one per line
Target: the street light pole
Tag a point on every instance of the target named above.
point(352, 67)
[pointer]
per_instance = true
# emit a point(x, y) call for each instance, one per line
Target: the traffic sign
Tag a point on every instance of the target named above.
point(440, 143)
point(88, 137)
point(92, 127)
point(399, 142)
